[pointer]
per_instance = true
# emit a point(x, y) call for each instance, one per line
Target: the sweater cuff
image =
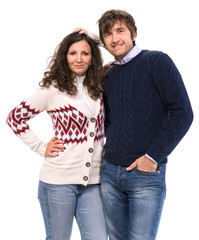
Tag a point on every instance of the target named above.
point(42, 149)
point(150, 158)
point(35, 144)
point(93, 36)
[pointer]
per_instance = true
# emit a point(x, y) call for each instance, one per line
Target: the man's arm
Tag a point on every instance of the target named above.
point(173, 94)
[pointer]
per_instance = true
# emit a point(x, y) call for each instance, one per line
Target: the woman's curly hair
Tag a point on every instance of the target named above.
point(60, 75)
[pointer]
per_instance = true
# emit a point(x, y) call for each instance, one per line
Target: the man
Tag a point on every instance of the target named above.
point(147, 114)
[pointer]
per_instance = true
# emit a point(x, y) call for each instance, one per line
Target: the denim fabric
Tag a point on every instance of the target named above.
point(132, 201)
point(60, 203)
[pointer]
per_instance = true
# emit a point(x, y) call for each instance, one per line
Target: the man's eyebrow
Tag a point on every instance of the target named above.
point(120, 28)
point(117, 29)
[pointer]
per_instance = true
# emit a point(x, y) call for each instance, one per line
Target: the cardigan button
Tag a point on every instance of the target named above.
point(90, 150)
point(92, 134)
point(88, 164)
point(85, 178)
point(93, 120)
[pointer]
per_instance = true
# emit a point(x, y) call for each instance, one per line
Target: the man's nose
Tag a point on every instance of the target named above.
point(115, 38)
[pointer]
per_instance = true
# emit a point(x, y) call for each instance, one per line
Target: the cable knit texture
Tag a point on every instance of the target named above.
point(78, 120)
point(147, 109)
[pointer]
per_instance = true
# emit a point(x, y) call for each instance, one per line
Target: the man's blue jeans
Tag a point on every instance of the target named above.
point(60, 203)
point(133, 201)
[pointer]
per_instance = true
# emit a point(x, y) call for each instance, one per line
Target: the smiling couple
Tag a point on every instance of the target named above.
point(147, 113)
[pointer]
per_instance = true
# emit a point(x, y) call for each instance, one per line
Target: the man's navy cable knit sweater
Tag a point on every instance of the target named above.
point(147, 109)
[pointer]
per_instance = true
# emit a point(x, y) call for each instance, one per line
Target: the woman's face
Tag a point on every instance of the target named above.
point(79, 57)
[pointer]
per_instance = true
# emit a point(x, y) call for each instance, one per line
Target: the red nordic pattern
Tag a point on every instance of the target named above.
point(18, 117)
point(69, 124)
point(99, 125)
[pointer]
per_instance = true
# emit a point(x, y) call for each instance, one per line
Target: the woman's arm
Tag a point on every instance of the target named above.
point(18, 120)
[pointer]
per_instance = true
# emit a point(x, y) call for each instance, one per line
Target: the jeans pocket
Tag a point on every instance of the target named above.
point(147, 173)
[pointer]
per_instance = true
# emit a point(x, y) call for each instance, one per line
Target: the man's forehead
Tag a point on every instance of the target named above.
point(114, 26)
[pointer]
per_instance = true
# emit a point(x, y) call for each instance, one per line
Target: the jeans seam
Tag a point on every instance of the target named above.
point(163, 182)
point(159, 214)
point(162, 200)
point(123, 178)
point(46, 205)
point(78, 218)
point(48, 212)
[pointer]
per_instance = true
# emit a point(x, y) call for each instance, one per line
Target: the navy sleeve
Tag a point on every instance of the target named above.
point(172, 91)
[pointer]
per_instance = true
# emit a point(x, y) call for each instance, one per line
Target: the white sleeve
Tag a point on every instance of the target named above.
point(95, 37)
point(26, 110)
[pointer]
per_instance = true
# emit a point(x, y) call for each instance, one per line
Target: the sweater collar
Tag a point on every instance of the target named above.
point(79, 81)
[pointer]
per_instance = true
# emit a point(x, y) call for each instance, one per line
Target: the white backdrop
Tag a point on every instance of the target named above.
point(30, 31)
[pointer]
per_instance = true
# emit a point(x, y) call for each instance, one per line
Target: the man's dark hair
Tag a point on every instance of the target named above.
point(110, 17)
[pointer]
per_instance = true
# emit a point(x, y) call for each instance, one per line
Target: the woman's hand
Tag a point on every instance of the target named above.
point(53, 148)
point(81, 30)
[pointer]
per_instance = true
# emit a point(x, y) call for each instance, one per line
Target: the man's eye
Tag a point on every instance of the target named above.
point(107, 34)
point(121, 31)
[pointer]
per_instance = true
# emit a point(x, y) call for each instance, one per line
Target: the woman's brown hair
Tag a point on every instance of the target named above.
point(60, 75)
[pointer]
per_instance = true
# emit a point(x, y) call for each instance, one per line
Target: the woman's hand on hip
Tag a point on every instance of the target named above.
point(53, 148)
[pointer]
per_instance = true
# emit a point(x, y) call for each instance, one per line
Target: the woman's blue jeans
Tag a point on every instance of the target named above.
point(60, 203)
point(133, 201)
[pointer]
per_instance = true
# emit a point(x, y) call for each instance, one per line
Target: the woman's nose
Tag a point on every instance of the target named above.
point(79, 58)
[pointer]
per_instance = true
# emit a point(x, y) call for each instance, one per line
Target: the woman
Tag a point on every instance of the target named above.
point(71, 93)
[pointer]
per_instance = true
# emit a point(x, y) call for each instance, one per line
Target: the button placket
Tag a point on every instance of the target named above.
point(90, 150)
point(91, 130)
point(93, 119)
point(88, 164)
point(90, 142)
point(91, 134)
point(85, 178)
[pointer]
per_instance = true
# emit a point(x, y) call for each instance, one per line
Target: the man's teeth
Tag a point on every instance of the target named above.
point(119, 45)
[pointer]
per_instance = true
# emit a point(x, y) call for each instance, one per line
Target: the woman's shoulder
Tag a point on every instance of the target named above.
point(52, 89)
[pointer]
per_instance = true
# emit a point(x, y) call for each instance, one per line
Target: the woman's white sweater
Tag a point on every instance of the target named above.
point(78, 121)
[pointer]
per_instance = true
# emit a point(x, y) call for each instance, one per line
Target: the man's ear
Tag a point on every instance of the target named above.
point(134, 36)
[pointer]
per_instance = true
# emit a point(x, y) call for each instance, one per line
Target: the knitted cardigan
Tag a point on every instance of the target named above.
point(79, 123)
point(147, 109)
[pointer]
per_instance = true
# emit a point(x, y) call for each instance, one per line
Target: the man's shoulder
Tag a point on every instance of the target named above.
point(155, 56)
point(152, 53)
point(109, 65)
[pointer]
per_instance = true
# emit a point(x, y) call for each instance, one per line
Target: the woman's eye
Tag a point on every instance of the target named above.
point(72, 53)
point(85, 53)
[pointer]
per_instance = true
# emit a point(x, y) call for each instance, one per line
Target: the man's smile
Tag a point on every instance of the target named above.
point(117, 46)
